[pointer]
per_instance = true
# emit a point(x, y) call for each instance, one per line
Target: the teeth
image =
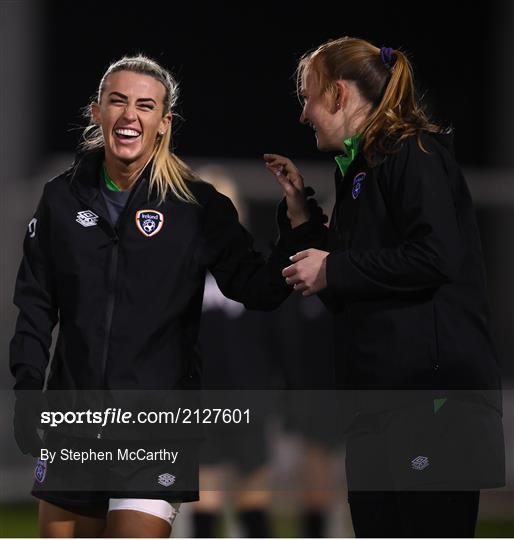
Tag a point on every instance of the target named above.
point(127, 132)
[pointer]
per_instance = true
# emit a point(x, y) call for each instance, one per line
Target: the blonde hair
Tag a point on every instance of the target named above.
point(389, 87)
point(168, 174)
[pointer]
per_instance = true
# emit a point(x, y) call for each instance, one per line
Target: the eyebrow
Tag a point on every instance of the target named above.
point(123, 96)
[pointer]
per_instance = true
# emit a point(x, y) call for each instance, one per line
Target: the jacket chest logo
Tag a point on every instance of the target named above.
point(149, 222)
point(357, 184)
point(32, 227)
point(87, 218)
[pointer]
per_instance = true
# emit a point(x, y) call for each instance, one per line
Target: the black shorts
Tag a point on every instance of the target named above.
point(459, 447)
point(84, 474)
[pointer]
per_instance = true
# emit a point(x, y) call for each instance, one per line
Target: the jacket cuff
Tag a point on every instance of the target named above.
point(343, 277)
point(28, 378)
point(310, 234)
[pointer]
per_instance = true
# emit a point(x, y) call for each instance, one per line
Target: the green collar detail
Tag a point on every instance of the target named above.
point(352, 149)
point(108, 181)
point(438, 403)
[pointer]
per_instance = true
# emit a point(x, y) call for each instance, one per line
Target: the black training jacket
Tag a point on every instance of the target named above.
point(405, 275)
point(128, 298)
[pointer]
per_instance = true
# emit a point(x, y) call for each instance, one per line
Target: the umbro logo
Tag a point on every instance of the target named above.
point(166, 479)
point(87, 218)
point(420, 463)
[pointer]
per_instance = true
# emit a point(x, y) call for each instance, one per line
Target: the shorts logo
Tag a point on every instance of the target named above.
point(166, 479)
point(40, 470)
point(87, 218)
point(357, 184)
point(149, 222)
point(420, 463)
point(32, 227)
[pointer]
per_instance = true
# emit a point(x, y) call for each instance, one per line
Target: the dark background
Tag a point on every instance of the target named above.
point(235, 63)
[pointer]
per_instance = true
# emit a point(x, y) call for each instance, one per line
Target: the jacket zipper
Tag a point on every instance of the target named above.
point(113, 270)
point(109, 312)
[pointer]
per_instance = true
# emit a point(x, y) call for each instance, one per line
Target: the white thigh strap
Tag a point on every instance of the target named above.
point(155, 507)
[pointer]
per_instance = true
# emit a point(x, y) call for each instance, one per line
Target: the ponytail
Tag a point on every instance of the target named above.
point(384, 77)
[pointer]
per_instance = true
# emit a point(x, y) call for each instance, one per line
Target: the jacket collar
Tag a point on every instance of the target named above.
point(86, 176)
point(358, 163)
point(351, 146)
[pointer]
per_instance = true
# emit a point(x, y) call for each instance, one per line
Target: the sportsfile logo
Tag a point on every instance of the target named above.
point(87, 218)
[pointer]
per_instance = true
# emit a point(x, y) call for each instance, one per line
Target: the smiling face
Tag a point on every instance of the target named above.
point(322, 115)
point(132, 117)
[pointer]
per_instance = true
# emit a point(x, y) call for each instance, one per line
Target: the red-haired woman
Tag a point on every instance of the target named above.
point(401, 269)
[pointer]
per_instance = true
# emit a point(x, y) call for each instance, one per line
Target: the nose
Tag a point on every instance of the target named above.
point(130, 112)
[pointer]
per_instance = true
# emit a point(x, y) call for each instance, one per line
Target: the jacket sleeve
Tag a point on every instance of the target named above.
point(241, 273)
point(418, 194)
point(36, 299)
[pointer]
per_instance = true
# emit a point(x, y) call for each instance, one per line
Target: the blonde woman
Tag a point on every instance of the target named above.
point(117, 253)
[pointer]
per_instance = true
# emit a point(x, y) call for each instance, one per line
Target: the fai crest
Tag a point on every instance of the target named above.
point(40, 470)
point(357, 184)
point(149, 222)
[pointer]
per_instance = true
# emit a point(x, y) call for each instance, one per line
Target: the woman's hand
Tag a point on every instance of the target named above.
point(291, 181)
point(308, 274)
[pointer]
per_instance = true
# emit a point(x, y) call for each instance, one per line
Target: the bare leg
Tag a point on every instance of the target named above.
point(253, 490)
point(55, 522)
point(212, 484)
point(317, 475)
point(134, 524)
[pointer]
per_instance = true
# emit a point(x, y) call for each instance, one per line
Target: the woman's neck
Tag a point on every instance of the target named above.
point(356, 113)
point(122, 174)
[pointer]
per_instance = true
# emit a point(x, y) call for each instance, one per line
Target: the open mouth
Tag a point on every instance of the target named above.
point(126, 134)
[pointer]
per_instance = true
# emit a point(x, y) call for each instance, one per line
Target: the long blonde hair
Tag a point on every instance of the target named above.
point(387, 83)
point(168, 173)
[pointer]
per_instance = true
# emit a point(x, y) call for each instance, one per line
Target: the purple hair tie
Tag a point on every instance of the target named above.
point(386, 54)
